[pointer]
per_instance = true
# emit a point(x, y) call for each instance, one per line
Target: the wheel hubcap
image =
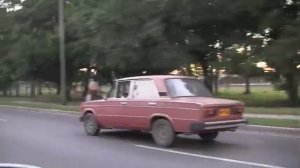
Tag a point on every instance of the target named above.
point(162, 133)
point(90, 125)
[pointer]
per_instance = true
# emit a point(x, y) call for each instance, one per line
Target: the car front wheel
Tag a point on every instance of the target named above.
point(209, 136)
point(162, 133)
point(90, 125)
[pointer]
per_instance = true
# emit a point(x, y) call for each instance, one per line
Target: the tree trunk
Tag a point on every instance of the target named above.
point(40, 88)
point(32, 89)
point(58, 89)
point(247, 82)
point(216, 84)
point(9, 92)
point(207, 76)
point(69, 98)
point(4, 92)
point(292, 88)
point(68, 92)
point(17, 89)
point(26, 90)
point(216, 81)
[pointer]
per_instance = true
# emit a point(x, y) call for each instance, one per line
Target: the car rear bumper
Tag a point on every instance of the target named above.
point(217, 125)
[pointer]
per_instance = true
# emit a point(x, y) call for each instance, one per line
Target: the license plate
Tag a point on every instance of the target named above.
point(224, 112)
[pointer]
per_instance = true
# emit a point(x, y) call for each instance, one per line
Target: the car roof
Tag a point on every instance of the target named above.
point(154, 77)
point(158, 79)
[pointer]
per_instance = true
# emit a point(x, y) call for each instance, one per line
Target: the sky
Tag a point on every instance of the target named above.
point(15, 8)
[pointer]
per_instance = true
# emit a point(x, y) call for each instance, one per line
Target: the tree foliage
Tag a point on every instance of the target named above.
point(135, 37)
point(283, 52)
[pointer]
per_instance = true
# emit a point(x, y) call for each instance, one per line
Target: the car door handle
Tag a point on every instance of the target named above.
point(123, 103)
point(151, 103)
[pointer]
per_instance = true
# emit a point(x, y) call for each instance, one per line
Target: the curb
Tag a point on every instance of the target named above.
point(255, 128)
point(273, 116)
point(270, 129)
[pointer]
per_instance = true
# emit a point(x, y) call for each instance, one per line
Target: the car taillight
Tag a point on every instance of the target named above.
point(238, 109)
point(210, 112)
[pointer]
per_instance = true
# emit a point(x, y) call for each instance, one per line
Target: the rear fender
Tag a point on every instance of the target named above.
point(159, 115)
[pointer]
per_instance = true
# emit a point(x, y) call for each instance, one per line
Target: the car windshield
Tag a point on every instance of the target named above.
point(186, 88)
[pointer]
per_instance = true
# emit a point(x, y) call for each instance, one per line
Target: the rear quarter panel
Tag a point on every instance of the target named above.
point(180, 114)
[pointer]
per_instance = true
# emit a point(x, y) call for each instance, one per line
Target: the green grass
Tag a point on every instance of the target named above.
point(259, 97)
point(275, 122)
point(256, 98)
point(262, 100)
point(33, 103)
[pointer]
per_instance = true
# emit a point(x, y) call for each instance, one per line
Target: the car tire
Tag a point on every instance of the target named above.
point(163, 133)
point(208, 136)
point(90, 125)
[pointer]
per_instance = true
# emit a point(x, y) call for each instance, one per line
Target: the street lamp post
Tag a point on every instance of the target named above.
point(62, 52)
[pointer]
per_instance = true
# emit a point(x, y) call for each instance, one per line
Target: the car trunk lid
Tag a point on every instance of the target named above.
point(209, 101)
point(215, 109)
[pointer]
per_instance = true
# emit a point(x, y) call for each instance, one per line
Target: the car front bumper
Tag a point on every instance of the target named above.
point(217, 125)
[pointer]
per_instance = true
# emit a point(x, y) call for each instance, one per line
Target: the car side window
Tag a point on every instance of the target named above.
point(123, 89)
point(144, 89)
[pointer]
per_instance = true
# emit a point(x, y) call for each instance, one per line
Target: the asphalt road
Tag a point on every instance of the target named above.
point(57, 140)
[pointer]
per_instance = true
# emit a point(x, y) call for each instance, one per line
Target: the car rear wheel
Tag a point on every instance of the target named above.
point(209, 136)
point(162, 133)
point(90, 125)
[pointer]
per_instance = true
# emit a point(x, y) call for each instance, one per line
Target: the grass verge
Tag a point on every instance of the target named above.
point(262, 99)
point(27, 102)
point(274, 122)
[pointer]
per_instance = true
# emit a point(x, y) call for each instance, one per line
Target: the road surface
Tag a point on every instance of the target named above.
point(57, 140)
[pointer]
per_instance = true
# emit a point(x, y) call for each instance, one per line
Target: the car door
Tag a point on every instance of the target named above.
point(115, 106)
point(141, 103)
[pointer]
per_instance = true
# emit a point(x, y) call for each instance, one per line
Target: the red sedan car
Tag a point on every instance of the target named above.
point(163, 105)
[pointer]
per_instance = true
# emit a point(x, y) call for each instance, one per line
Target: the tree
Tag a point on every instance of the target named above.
point(37, 45)
point(137, 37)
point(36, 40)
point(199, 24)
point(282, 53)
point(284, 57)
point(241, 60)
point(8, 69)
point(156, 36)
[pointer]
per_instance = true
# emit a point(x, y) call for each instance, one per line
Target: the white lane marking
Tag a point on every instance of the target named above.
point(266, 134)
point(3, 120)
point(17, 165)
point(210, 157)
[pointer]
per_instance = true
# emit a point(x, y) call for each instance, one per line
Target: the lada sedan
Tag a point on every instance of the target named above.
point(164, 106)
